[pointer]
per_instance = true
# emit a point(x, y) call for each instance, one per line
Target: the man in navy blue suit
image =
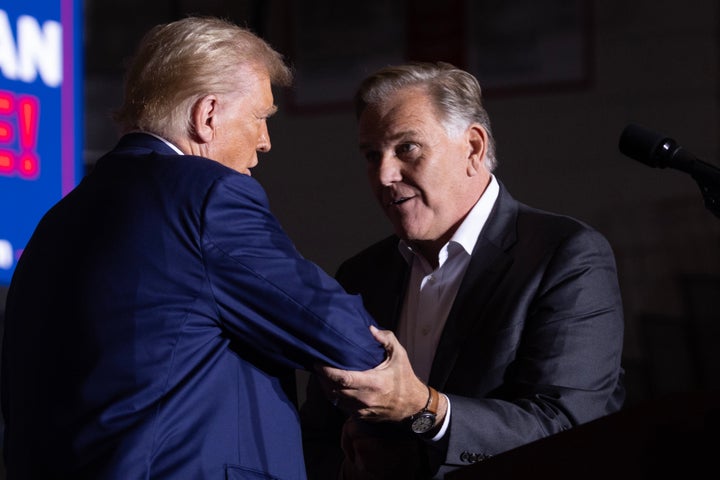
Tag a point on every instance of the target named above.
point(509, 319)
point(159, 307)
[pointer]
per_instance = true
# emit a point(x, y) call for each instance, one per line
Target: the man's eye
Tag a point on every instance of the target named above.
point(405, 148)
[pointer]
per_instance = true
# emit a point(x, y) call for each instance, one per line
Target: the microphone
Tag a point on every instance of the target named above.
point(660, 151)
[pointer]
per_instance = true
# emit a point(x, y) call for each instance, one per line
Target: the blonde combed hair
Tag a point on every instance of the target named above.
point(178, 63)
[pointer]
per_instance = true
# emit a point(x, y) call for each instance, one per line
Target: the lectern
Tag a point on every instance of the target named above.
point(676, 436)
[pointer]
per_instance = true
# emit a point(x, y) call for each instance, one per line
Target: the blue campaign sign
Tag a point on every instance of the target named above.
point(40, 116)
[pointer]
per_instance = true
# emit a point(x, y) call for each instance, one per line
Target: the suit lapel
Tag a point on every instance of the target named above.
point(390, 290)
point(490, 260)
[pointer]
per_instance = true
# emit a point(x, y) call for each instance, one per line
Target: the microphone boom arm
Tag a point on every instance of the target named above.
point(711, 194)
point(707, 176)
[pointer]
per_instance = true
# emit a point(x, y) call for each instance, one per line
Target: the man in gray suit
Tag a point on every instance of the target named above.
point(512, 314)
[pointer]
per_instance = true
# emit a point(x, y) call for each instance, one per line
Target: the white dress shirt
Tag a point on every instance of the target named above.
point(431, 293)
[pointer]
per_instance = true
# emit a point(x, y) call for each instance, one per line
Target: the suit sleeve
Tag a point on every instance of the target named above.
point(566, 364)
point(269, 297)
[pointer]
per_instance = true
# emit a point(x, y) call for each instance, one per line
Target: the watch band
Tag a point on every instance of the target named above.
point(433, 401)
point(424, 421)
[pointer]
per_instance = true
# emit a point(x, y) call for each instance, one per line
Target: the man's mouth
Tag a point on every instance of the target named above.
point(400, 200)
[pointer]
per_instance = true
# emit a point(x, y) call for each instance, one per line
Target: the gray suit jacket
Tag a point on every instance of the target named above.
point(532, 345)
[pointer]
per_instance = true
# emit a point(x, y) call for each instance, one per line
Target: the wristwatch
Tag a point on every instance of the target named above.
point(424, 420)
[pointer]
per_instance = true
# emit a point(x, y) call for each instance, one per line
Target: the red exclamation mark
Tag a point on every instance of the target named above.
point(29, 111)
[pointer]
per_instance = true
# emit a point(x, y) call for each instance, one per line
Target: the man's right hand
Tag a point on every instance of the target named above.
point(389, 392)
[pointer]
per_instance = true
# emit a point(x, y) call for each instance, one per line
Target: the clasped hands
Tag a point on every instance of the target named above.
point(375, 448)
point(389, 392)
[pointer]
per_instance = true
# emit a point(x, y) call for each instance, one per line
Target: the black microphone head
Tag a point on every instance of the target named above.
point(645, 145)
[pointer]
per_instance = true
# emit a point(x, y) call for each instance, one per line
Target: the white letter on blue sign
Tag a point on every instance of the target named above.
point(6, 254)
point(8, 57)
point(39, 50)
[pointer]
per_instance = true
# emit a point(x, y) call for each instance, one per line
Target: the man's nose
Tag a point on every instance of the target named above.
point(388, 171)
point(264, 144)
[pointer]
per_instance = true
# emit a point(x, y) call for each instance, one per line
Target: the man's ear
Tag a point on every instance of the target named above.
point(204, 119)
point(477, 147)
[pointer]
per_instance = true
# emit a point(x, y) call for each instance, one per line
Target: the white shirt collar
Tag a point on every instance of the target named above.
point(469, 230)
point(177, 150)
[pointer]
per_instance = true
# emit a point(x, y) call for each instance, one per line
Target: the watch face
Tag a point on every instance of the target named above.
point(423, 422)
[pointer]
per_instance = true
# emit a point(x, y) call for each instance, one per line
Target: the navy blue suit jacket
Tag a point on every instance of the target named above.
point(151, 321)
point(531, 347)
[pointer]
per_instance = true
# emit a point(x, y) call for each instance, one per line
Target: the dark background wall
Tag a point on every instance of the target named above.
point(560, 86)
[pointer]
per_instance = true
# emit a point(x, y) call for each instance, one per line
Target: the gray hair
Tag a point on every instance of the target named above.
point(456, 94)
point(178, 63)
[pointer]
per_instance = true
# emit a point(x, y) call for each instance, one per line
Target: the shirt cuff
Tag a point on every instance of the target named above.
point(446, 422)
